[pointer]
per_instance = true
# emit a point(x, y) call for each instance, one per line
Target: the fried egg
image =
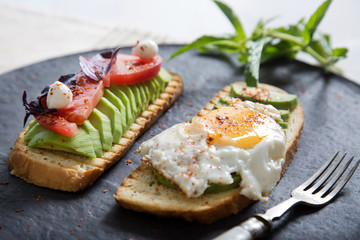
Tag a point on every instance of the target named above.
point(242, 138)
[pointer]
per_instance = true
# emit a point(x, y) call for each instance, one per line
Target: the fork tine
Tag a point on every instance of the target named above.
point(342, 184)
point(308, 183)
point(323, 192)
point(326, 175)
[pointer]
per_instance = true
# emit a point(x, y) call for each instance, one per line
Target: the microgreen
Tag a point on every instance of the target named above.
point(265, 44)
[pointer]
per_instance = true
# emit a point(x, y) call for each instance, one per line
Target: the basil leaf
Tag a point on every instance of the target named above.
point(321, 44)
point(280, 49)
point(198, 43)
point(253, 61)
point(315, 20)
point(229, 13)
point(339, 52)
point(227, 46)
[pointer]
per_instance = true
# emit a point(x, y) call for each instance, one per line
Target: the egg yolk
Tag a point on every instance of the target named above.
point(236, 126)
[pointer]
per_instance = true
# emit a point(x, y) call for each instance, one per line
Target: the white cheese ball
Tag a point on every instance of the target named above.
point(146, 49)
point(59, 96)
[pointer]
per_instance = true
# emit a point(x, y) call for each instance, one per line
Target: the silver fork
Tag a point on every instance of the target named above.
point(318, 190)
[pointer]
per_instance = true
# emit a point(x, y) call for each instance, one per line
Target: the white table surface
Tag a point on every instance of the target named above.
point(37, 30)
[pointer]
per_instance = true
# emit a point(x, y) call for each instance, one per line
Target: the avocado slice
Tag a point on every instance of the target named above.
point(78, 144)
point(130, 95)
point(152, 90)
point(121, 108)
point(112, 112)
point(127, 103)
point(95, 137)
point(32, 124)
point(284, 125)
point(285, 115)
point(147, 93)
point(157, 87)
point(34, 128)
point(102, 123)
point(138, 98)
point(163, 77)
point(278, 100)
point(142, 96)
point(216, 188)
point(212, 188)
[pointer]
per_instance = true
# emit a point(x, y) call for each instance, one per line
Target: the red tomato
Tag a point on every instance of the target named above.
point(57, 124)
point(86, 95)
point(129, 69)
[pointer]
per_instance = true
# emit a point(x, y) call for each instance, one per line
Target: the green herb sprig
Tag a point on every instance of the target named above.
point(265, 44)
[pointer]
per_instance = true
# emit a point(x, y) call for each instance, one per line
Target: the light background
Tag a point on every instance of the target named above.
point(37, 30)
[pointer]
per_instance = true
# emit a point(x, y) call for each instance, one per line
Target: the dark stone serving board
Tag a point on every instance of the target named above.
point(332, 113)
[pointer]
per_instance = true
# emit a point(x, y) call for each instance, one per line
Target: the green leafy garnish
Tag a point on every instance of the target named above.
point(265, 44)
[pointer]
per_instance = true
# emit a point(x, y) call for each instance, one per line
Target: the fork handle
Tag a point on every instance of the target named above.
point(259, 224)
point(250, 229)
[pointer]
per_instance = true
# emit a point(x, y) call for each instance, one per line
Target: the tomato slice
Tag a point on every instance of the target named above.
point(86, 95)
point(128, 69)
point(57, 124)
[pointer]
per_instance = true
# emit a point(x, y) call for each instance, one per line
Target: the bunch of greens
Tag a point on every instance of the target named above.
point(265, 44)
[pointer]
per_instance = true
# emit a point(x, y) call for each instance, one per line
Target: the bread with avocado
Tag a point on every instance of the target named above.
point(141, 191)
point(74, 164)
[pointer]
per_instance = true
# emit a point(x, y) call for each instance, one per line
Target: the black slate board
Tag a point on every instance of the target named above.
point(331, 107)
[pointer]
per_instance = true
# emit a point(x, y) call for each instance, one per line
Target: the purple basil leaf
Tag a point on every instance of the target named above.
point(97, 67)
point(34, 107)
point(112, 60)
point(93, 68)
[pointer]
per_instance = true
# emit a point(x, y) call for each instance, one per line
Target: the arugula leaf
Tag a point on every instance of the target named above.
point(315, 20)
point(232, 18)
point(253, 62)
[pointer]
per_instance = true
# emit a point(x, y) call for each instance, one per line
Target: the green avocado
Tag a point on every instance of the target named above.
point(142, 96)
point(112, 112)
point(128, 100)
point(278, 100)
point(163, 77)
point(102, 123)
point(138, 99)
point(284, 125)
point(34, 128)
point(78, 144)
point(285, 115)
point(120, 107)
point(150, 85)
point(212, 188)
point(147, 93)
point(157, 88)
point(95, 137)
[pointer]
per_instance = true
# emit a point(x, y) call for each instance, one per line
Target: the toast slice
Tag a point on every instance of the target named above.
point(70, 172)
point(141, 192)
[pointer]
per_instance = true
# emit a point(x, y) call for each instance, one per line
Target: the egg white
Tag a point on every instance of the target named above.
point(183, 155)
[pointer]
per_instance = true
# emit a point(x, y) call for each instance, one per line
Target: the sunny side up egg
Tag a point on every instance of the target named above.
point(242, 138)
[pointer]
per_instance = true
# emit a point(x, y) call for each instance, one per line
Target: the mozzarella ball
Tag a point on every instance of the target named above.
point(59, 96)
point(146, 49)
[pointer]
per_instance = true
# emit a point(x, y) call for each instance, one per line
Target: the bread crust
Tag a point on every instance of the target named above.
point(141, 192)
point(70, 172)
